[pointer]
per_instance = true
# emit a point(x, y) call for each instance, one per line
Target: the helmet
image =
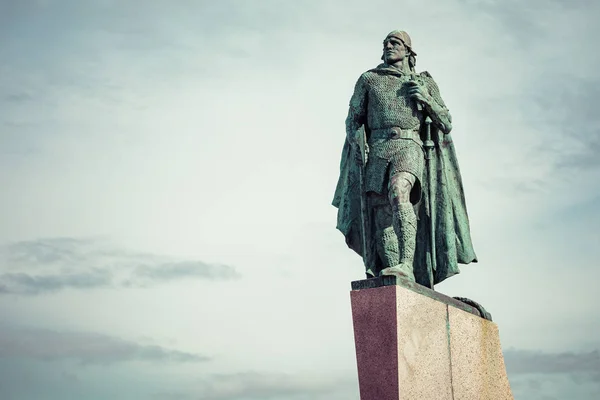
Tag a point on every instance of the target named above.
point(403, 36)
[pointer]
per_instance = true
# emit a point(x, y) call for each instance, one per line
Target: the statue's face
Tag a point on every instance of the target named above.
point(393, 50)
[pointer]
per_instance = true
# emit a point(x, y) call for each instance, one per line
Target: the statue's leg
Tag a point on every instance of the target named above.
point(386, 240)
point(404, 224)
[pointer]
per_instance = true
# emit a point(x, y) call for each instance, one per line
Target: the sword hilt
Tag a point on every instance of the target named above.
point(415, 79)
point(428, 143)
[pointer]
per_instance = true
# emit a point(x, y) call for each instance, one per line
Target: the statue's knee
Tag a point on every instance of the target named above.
point(400, 195)
point(400, 187)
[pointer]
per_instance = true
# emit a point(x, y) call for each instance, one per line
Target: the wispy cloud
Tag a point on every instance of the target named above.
point(48, 251)
point(219, 125)
point(538, 375)
point(585, 365)
point(87, 348)
point(572, 109)
point(24, 283)
point(185, 269)
point(557, 97)
point(259, 386)
point(49, 265)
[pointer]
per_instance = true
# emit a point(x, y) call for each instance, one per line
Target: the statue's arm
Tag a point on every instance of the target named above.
point(357, 112)
point(436, 108)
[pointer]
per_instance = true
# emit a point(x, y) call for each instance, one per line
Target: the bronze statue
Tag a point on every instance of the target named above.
point(400, 198)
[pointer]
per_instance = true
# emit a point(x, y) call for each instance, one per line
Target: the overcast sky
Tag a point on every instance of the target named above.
point(167, 169)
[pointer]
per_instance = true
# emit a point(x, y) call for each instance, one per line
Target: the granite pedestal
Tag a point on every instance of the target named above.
point(413, 343)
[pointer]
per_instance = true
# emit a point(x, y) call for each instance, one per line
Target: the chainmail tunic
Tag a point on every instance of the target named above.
point(381, 101)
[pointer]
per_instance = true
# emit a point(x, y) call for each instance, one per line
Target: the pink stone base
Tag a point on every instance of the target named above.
point(412, 347)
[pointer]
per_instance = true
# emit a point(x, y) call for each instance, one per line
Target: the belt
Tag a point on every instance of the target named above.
point(396, 133)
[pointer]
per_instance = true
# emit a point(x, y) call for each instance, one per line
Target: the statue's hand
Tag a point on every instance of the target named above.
point(418, 92)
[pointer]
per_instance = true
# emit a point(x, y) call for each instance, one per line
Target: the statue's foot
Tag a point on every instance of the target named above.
point(400, 270)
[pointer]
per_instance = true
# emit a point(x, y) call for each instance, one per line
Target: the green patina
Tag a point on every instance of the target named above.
point(400, 198)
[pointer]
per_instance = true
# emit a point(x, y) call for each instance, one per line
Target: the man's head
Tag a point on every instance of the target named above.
point(397, 47)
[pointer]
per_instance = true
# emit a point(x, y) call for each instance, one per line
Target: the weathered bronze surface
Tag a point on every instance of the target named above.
point(400, 196)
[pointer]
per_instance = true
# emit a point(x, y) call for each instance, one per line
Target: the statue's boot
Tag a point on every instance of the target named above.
point(405, 228)
point(388, 247)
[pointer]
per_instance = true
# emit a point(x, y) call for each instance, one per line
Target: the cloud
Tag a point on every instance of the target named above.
point(50, 251)
point(23, 283)
point(519, 362)
point(216, 126)
point(49, 265)
point(87, 348)
point(532, 375)
point(558, 97)
point(573, 110)
point(186, 269)
point(18, 97)
point(259, 386)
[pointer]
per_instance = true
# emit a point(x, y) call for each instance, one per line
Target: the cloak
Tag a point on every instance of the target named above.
point(451, 223)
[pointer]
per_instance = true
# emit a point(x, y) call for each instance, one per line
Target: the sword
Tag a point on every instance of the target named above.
point(364, 212)
point(429, 145)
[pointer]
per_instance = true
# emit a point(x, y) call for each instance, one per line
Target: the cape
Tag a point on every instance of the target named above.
point(451, 223)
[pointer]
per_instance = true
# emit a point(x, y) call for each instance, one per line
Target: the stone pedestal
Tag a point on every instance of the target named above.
point(413, 343)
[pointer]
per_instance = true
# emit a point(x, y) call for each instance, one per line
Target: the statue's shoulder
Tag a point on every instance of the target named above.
point(370, 73)
point(368, 77)
point(366, 74)
point(378, 70)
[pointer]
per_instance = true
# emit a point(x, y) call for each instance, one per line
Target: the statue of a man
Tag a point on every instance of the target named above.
point(400, 199)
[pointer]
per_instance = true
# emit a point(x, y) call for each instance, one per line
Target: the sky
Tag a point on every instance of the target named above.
point(167, 171)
